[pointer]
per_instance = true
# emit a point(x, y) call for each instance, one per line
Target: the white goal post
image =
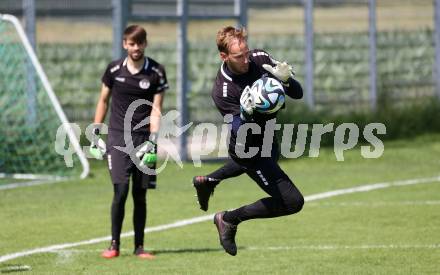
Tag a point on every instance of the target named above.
point(29, 120)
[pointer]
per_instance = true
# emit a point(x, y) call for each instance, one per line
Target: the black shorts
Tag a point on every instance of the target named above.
point(120, 165)
point(265, 171)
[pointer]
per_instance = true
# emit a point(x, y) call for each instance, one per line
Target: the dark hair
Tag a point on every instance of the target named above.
point(135, 33)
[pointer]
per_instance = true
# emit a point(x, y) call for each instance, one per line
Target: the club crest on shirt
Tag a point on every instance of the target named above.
point(144, 84)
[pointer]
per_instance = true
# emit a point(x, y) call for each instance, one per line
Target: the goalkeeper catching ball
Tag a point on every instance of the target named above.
point(235, 96)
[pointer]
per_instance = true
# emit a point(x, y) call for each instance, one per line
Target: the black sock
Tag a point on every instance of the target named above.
point(229, 170)
point(261, 209)
point(232, 217)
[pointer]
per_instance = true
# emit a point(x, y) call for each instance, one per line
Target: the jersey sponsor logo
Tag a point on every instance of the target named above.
point(120, 79)
point(144, 84)
point(115, 68)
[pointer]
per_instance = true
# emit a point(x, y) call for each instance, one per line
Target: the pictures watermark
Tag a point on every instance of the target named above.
point(243, 139)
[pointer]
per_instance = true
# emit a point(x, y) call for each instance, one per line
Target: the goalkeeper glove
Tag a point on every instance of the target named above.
point(247, 103)
point(282, 71)
point(148, 152)
point(97, 146)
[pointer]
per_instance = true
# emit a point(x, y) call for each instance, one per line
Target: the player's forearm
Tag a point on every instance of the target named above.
point(154, 122)
point(101, 111)
point(294, 90)
point(156, 113)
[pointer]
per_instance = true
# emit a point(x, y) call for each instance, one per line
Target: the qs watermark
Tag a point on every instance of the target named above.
point(207, 137)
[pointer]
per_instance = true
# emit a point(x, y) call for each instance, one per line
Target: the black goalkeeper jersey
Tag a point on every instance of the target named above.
point(228, 88)
point(126, 88)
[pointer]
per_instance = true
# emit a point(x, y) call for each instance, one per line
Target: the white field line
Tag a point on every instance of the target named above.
point(343, 247)
point(319, 196)
point(70, 252)
point(373, 203)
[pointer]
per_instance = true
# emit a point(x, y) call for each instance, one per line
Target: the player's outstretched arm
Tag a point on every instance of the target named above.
point(284, 73)
point(294, 89)
point(281, 70)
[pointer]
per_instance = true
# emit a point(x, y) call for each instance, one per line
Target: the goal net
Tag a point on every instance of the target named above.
point(30, 114)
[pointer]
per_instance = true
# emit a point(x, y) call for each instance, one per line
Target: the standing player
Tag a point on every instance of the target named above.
point(240, 68)
point(127, 80)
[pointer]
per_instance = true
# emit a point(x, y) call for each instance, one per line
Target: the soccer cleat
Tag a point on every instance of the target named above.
point(112, 251)
point(205, 188)
point(141, 253)
point(226, 232)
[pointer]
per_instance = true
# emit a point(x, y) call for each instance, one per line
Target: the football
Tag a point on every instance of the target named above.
point(269, 95)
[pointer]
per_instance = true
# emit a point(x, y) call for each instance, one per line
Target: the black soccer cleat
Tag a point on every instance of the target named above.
point(226, 233)
point(205, 188)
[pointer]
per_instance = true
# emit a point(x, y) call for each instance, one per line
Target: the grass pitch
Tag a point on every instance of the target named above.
point(391, 230)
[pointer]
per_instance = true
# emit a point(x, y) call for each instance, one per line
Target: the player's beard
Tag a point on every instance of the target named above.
point(136, 55)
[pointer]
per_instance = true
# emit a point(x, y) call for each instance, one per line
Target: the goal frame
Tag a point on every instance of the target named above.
point(55, 103)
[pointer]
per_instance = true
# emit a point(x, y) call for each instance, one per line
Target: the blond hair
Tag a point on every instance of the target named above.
point(227, 34)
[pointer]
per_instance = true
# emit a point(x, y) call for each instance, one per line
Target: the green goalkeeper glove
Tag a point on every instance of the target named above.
point(97, 146)
point(282, 71)
point(148, 152)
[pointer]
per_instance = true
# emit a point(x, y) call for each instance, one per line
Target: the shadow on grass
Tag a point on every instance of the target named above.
point(10, 268)
point(189, 250)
